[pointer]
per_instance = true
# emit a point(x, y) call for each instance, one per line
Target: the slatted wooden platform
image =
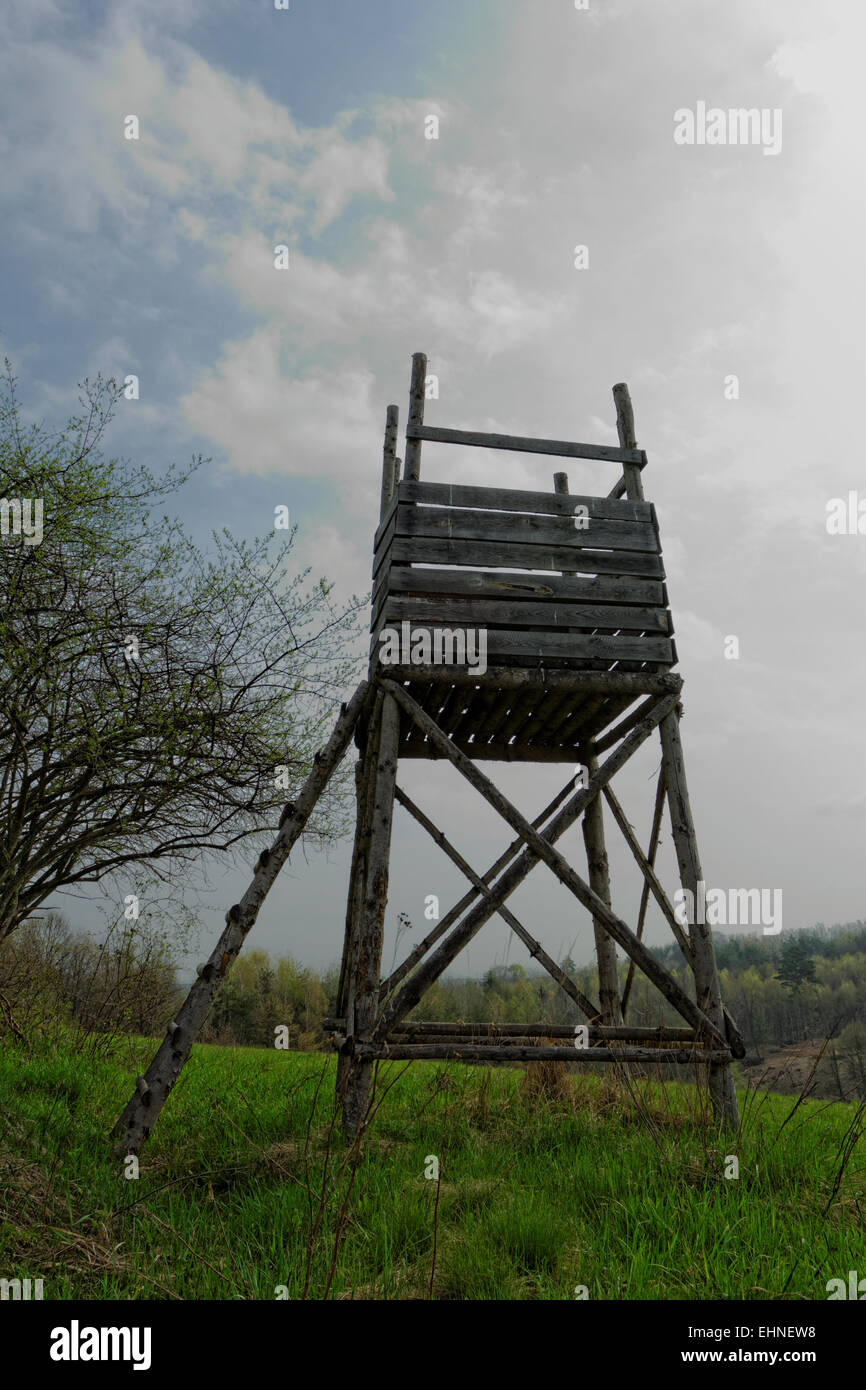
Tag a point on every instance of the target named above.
point(557, 581)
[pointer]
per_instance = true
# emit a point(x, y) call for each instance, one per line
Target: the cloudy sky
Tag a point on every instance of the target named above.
point(306, 127)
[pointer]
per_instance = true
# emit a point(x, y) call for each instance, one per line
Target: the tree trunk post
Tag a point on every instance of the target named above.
point(364, 769)
point(152, 1090)
point(599, 882)
point(365, 952)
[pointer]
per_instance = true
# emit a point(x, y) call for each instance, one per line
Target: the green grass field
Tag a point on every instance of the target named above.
point(241, 1190)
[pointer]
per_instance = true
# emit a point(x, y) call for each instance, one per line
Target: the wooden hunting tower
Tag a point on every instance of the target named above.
point(570, 593)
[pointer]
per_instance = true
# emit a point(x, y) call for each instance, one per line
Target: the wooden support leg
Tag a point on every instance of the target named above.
point(364, 782)
point(709, 996)
point(366, 955)
point(599, 882)
point(142, 1110)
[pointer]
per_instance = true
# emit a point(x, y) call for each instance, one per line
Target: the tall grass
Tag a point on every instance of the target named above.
point(614, 1184)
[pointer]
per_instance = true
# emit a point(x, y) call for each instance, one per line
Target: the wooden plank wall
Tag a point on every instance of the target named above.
point(610, 608)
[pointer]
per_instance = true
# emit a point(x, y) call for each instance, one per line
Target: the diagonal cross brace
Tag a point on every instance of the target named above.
point(652, 884)
point(543, 849)
point(536, 950)
point(651, 880)
point(467, 901)
point(511, 877)
point(513, 866)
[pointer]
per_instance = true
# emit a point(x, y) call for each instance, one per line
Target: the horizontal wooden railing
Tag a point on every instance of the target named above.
point(523, 444)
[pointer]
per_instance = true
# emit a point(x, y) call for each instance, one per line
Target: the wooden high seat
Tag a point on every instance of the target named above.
point(569, 594)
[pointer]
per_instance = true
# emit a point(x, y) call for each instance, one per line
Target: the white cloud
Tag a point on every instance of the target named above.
point(321, 426)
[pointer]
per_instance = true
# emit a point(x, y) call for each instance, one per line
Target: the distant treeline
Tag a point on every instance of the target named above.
point(780, 989)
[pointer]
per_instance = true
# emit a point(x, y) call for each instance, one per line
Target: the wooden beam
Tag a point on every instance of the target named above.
point(443, 609)
point(141, 1112)
point(549, 588)
point(599, 882)
point(652, 851)
point(357, 873)
point(365, 771)
point(523, 444)
point(389, 453)
point(544, 647)
point(367, 948)
point(721, 1082)
point(497, 1031)
point(625, 429)
point(536, 950)
point(415, 421)
point(526, 529)
point(415, 1052)
point(621, 729)
point(515, 555)
point(501, 499)
point(518, 677)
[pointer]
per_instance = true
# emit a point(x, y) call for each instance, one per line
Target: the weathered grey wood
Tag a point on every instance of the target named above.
point(140, 1113)
point(385, 527)
point(417, 1052)
point(560, 487)
point(536, 950)
point(625, 429)
point(363, 790)
point(439, 960)
point(651, 879)
point(501, 1031)
point(357, 871)
point(721, 1082)
point(534, 588)
point(525, 445)
point(621, 729)
point(543, 849)
point(507, 857)
point(545, 648)
point(599, 882)
point(401, 1039)
point(389, 453)
point(498, 752)
point(514, 678)
point(383, 555)
point(456, 587)
point(476, 612)
point(367, 953)
point(415, 420)
point(457, 523)
point(558, 503)
point(618, 489)
point(365, 778)
point(655, 834)
point(427, 550)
